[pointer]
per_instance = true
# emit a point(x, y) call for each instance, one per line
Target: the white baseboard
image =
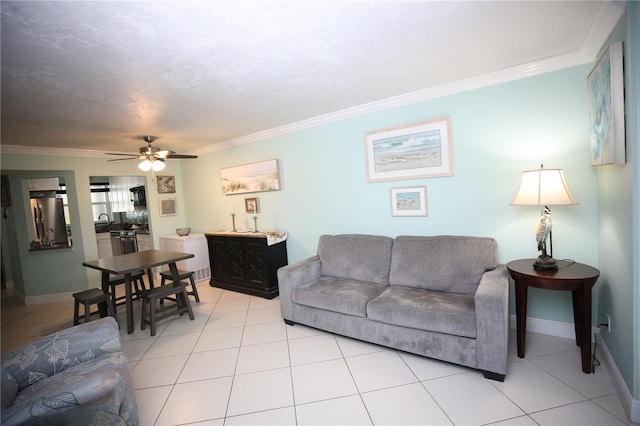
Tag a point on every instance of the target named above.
point(631, 406)
point(567, 330)
point(550, 328)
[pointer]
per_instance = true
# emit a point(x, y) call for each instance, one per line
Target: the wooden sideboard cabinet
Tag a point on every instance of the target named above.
point(244, 262)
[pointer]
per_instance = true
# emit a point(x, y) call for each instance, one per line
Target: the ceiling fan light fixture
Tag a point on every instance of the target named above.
point(146, 165)
point(158, 165)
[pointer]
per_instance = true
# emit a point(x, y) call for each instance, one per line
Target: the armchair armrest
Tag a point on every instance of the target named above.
point(292, 275)
point(492, 320)
point(58, 351)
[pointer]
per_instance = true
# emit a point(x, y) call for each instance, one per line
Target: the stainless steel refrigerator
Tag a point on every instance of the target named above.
point(48, 217)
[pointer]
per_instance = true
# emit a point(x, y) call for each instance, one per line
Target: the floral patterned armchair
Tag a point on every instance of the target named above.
point(78, 369)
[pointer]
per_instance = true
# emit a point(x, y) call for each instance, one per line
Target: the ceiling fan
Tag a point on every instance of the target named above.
point(152, 157)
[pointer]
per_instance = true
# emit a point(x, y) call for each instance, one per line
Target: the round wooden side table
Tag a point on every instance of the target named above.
point(577, 278)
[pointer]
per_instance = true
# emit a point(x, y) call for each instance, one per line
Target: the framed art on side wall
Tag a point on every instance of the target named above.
point(410, 152)
point(166, 184)
point(410, 201)
point(168, 207)
point(254, 177)
point(605, 86)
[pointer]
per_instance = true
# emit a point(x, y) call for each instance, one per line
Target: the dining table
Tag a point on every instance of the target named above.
point(132, 263)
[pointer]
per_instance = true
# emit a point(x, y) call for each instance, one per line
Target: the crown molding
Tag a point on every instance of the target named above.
point(514, 73)
point(607, 17)
point(45, 150)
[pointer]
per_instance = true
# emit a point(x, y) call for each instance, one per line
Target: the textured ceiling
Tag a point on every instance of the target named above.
point(95, 75)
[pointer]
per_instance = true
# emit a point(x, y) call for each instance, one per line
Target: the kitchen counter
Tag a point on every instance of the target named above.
point(103, 227)
point(57, 246)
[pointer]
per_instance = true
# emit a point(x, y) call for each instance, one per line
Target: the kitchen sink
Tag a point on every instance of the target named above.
point(102, 226)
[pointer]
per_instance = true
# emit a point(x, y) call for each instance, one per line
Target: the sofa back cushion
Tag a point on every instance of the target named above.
point(56, 352)
point(356, 257)
point(442, 263)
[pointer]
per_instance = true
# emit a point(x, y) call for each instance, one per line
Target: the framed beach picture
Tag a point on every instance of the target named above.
point(254, 177)
point(410, 201)
point(605, 84)
point(166, 184)
point(168, 207)
point(410, 152)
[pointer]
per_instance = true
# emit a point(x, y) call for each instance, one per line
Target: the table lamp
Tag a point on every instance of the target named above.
point(543, 187)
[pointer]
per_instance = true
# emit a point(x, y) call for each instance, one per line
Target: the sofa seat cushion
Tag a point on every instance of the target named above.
point(450, 264)
point(337, 295)
point(356, 257)
point(428, 310)
point(97, 384)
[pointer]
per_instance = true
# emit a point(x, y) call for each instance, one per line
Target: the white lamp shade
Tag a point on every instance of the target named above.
point(145, 166)
point(543, 187)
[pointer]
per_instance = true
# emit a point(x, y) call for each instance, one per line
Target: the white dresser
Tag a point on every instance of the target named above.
point(192, 243)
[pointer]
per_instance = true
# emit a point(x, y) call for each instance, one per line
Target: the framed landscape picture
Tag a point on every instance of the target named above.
point(416, 151)
point(411, 201)
point(168, 207)
point(605, 84)
point(254, 177)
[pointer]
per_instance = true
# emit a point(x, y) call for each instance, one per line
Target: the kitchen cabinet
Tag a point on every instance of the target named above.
point(246, 263)
point(195, 244)
point(104, 245)
point(44, 184)
point(119, 194)
point(144, 242)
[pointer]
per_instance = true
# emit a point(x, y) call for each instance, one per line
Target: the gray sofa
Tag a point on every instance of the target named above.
point(443, 297)
point(78, 375)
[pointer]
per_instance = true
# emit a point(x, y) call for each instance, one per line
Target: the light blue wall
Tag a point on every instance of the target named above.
point(618, 218)
point(498, 132)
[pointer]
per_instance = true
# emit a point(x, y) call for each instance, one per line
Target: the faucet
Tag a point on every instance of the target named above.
point(108, 218)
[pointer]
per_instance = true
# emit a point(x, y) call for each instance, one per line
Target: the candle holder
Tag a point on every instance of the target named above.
point(255, 223)
point(233, 221)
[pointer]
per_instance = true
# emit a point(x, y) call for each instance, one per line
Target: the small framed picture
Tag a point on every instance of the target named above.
point(168, 207)
point(166, 184)
point(251, 205)
point(410, 201)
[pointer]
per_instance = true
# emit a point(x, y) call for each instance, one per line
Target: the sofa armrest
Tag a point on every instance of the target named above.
point(492, 320)
point(292, 275)
point(58, 351)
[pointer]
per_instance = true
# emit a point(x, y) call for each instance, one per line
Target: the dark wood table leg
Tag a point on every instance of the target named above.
point(521, 316)
point(102, 307)
point(128, 302)
point(582, 310)
point(150, 276)
point(577, 320)
point(175, 279)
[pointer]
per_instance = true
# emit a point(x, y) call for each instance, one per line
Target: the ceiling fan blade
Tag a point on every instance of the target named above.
point(181, 156)
point(164, 153)
point(123, 159)
point(119, 153)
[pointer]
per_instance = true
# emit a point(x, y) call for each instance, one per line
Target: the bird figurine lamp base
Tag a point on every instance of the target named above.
point(543, 231)
point(545, 262)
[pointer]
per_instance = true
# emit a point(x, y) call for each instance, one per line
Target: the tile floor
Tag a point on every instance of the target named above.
point(239, 364)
